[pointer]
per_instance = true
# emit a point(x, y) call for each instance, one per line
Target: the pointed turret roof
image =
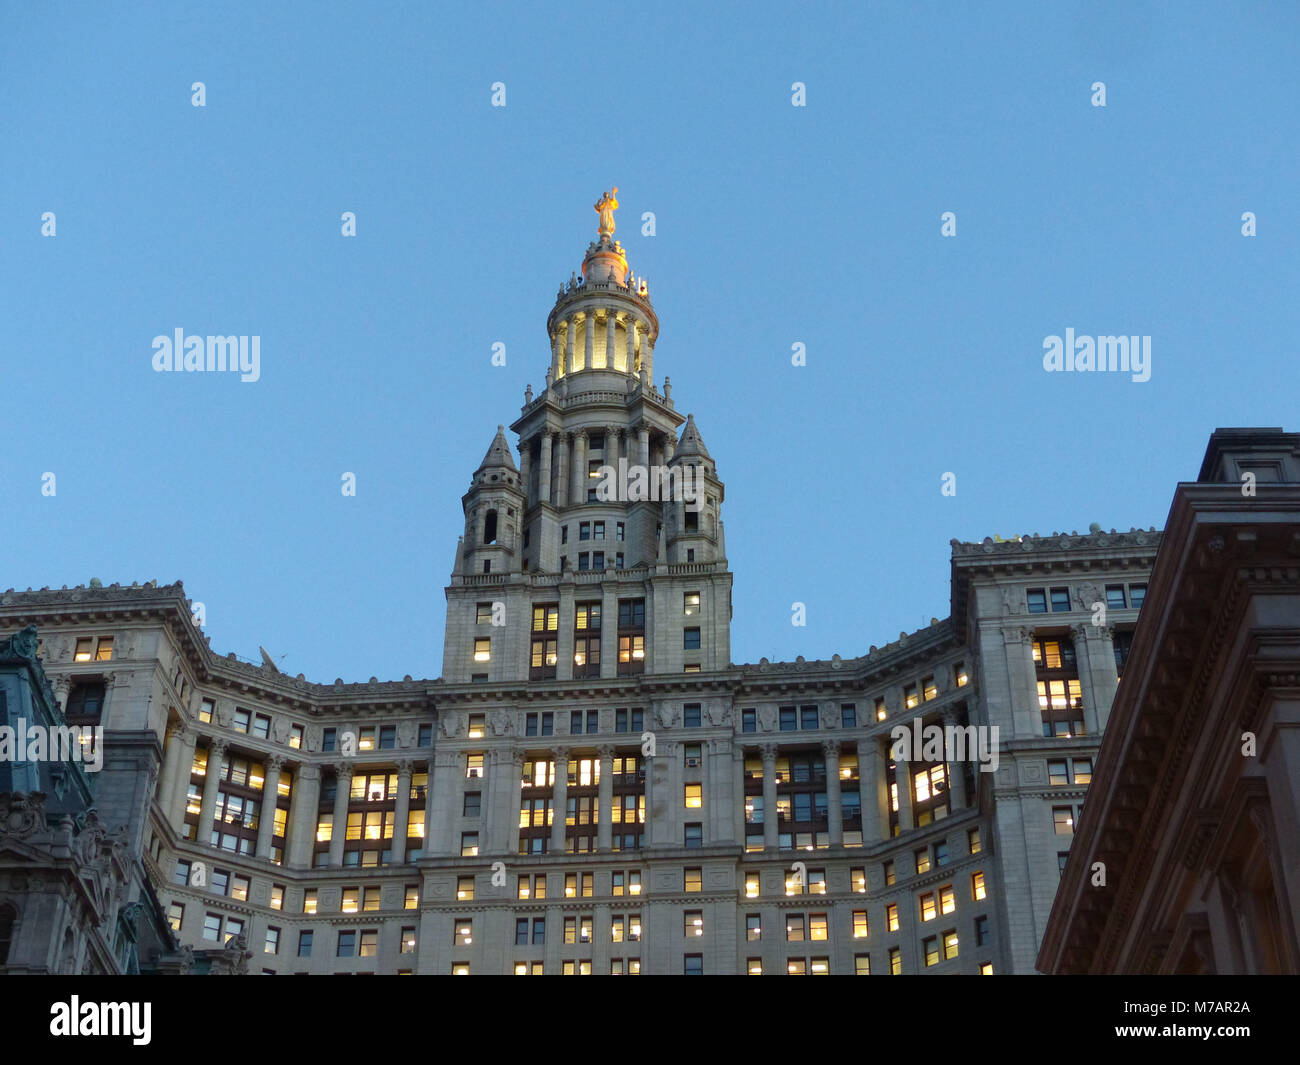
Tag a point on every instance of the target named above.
point(498, 454)
point(691, 444)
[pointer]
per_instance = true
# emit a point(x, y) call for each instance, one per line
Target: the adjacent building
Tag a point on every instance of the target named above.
point(1189, 858)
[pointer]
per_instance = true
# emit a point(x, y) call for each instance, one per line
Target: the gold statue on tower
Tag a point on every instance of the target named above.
point(606, 206)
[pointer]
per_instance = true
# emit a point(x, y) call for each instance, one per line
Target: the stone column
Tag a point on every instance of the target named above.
point(903, 778)
point(560, 799)
point(770, 838)
point(564, 635)
point(875, 791)
point(738, 790)
point(343, 788)
point(557, 354)
point(266, 822)
point(609, 631)
point(605, 823)
point(1026, 714)
point(570, 331)
point(544, 469)
point(180, 761)
point(631, 344)
point(211, 782)
point(1101, 669)
point(445, 774)
point(512, 835)
point(643, 445)
point(303, 807)
point(719, 797)
point(562, 471)
point(588, 339)
point(525, 471)
point(956, 772)
point(578, 493)
point(402, 814)
point(611, 446)
point(611, 327)
point(834, 811)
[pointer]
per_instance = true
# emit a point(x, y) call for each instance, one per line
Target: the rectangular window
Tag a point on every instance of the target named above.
point(483, 614)
point(694, 836)
point(347, 945)
point(1063, 820)
point(749, 721)
point(261, 726)
point(891, 916)
point(859, 924)
point(789, 719)
point(895, 962)
point(1114, 597)
point(1060, 600)
point(973, 838)
point(977, 886)
point(483, 649)
point(241, 720)
point(691, 639)
point(848, 715)
point(473, 766)
point(304, 943)
point(1037, 600)
point(808, 718)
point(1137, 594)
point(880, 710)
point(691, 715)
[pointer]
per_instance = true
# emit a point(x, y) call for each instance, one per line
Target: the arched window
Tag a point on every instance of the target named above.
point(8, 918)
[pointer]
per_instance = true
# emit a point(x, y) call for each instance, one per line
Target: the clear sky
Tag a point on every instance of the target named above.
point(775, 224)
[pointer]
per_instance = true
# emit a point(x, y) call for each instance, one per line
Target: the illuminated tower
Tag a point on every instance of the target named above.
point(602, 552)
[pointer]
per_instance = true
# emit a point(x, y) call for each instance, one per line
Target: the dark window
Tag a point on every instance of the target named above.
point(85, 704)
point(304, 943)
point(1123, 644)
point(789, 721)
point(1060, 600)
point(328, 738)
point(387, 737)
point(691, 639)
point(426, 736)
point(1137, 594)
point(848, 715)
point(691, 715)
point(473, 803)
point(1115, 597)
point(490, 528)
point(1037, 601)
point(749, 721)
point(695, 834)
point(808, 717)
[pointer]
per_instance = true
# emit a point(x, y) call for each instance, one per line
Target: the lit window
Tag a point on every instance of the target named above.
point(891, 916)
point(859, 924)
point(928, 912)
point(693, 880)
point(862, 965)
point(947, 903)
point(483, 650)
point(977, 886)
point(910, 697)
point(694, 796)
point(973, 838)
point(412, 897)
point(465, 888)
point(950, 945)
point(691, 603)
point(895, 962)
point(751, 885)
point(693, 923)
point(880, 709)
point(473, 765)
point(1063, 820)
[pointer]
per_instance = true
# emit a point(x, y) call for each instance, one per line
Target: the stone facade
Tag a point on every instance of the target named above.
point(705, 816)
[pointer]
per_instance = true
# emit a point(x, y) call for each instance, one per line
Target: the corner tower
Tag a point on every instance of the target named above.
point(613, 561)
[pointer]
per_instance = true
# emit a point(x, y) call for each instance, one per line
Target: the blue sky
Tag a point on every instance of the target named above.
point(775, 225)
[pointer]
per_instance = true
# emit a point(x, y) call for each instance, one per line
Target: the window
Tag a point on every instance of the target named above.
point(1081, 770)
point(928, 910)
point(693, 880)
point(947, 903)
point(1037, 600)
point(986, 968)
point(808, 717)
point(483, 649)
point(1137, 594)
point(693, 965)
point(880, 710)
point(1060, 697)
point(88, 647)
point(1057, 772)
point(1063, 820)
point(891, 916)
point(691, 639)
point(1122, 645)
point(261, 726)
point(895, 962)
point(329, 739)
point(929, 690)
point(205, 710)
point(749, 720)
point(751, 884)
point(1061, 857)
point(789, 720)
point(1114, 597)
point(981, 931)
point(272, 940)
point(858, 879)
point(473, 765)
point(408, 940)
point(694, 834)
point(461, 968)
point(241, 720)
point(351, 901)
point(598, 530)
point(923, 861)
point(691, 715)
point(618, 534)
point(483, 614)
point(464, 932)
point(959, 675)
point(930, 949)
point(465, 888)
point(304, 943)
point(950, 944)
point(848, 715)
point(861, 965)
point(412, 897)
point(295, 737)
point(794, 928)
point(940, 854)
point(175, 918)
point(910, 698)
point(468, 844)
point(977, 885)
point(859, 924)
point(1060, 600)
point(347, 944)
point(309, 900)
point(973, 839)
